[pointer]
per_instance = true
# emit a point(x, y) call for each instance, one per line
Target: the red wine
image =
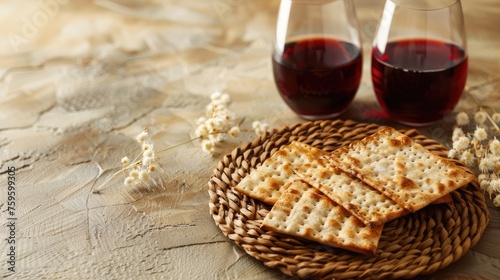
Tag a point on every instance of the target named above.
point(418, 81)
point(318, 77)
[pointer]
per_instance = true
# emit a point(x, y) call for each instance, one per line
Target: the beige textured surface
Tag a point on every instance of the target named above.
point(79, 79)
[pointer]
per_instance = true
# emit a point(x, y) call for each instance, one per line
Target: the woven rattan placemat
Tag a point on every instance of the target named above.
point(416, 244)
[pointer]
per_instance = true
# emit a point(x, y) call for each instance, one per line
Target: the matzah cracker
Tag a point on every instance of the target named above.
point(305, 212)
point(369, 205)
point(268, 181)
point(402, 169)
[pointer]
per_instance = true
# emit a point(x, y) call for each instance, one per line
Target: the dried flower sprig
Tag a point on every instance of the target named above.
point(140, 171)
point(137, 171)
point(219, 121)
point(218, 118)
point(480, 147)
point(260, 128)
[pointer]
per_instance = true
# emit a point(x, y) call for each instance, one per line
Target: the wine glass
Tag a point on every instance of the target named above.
point(317, 56)
point(419, 59)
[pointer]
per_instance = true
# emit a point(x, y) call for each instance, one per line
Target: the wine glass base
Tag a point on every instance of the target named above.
point(321, 117)
point(417, 124)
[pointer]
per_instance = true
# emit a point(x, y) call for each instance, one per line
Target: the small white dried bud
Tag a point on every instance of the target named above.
point(462, 119)
point(125, 160)
point(214, 125)
point(225, 98)
point(480, 134)
point(224, 114)
point(480, 117)
point(496, 201)
point(494, 147)
point(152, 168)
point(129, 181)
point(462, 143)
point(234, 132)
point(143, 175)
point(213, 107)
point(495, 185)
point(147, 161)
point(497, 164)
point(147, 147)
point(202, 130)
point(453, 154)
point(496, 117)
point(457, 133)
point(208, 146)
point(467, 158)
point(486, 165)
point(482, 177)
point(485, 186)
point(216, 95)
point(143, 136)
point(134, 174)
point(149, 154)
point(260, 128)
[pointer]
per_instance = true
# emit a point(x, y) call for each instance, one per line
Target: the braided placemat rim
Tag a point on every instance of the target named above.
point(417, 244)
